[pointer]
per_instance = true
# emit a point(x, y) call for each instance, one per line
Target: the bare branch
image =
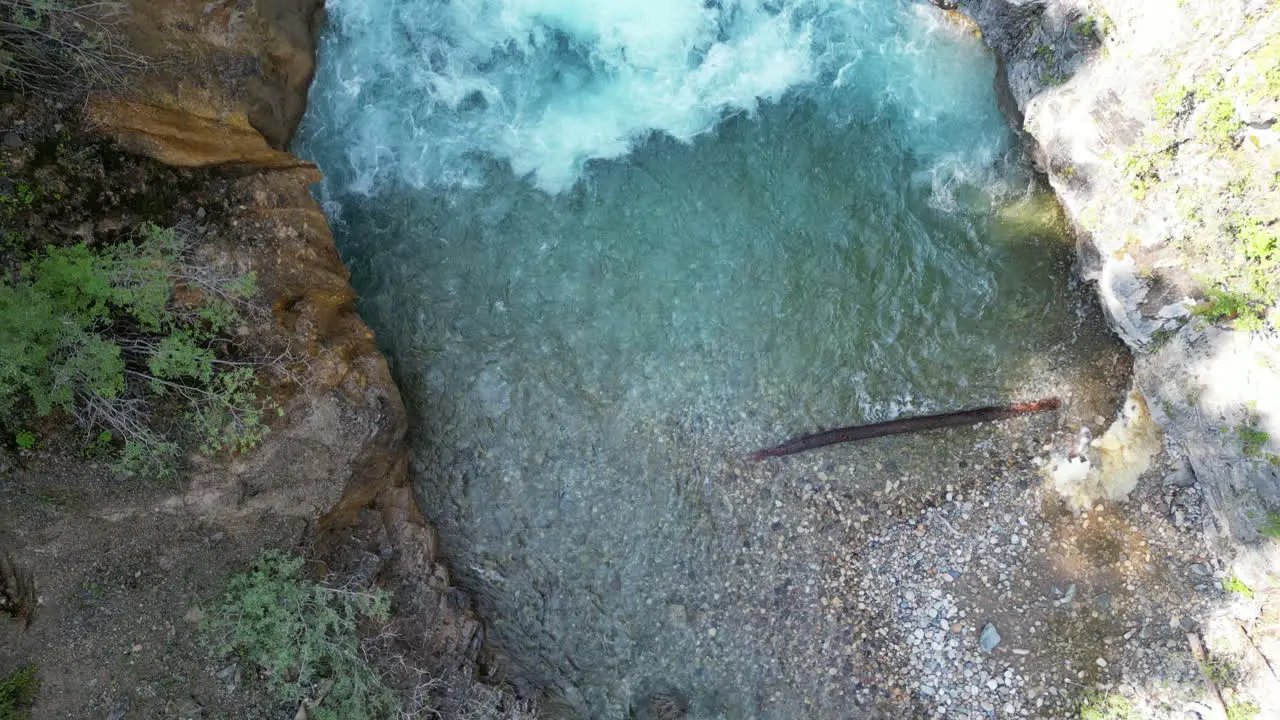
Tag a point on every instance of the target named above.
point(60, 44)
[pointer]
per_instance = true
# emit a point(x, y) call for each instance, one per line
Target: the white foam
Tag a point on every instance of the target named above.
point(422, 88)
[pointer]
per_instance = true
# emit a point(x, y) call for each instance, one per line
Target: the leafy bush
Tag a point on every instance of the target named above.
point(1225, 305)
point(1144, 162)
point(1252, 439)
point(1094, 29)
point(1258, 241)
point(18, 692)
point(61, 44)
point(1250, 280)
point(97, 333)
point(1266, 81)
point(305, 637)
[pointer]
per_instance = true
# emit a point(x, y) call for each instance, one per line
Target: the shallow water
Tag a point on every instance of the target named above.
point(611, 248)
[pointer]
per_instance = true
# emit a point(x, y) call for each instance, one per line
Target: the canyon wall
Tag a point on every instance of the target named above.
point(1154, 122)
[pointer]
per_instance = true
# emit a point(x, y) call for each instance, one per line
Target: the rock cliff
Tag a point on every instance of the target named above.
point(1153, 122)
point(117, 566)
point(227, 89)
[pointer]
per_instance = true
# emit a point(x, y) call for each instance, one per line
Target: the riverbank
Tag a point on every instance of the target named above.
point(1154, 123)
point(1090, 598)
point(112, 576)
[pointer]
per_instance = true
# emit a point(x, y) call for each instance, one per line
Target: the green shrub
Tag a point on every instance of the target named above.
point(1252, 439)
point(18, 692)
point(1233, 584)
point(1258, 241)
point(1266, 82)
point(305, 636)
point(1094, 29)
point(1226, 305)
point(1144, 162)
point(1222, 671)
point(1209, 85)
point(1242, 710)
point(1218, 122)
point(96, 333)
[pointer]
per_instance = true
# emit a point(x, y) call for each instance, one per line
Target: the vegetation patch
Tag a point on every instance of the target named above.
point(1100, 706)
point(1248, 280)
point(1231, 235)
point(1142, 164)
point(1242, 710)
point(1233, 584)
point(305, 637)
point(1252, 440)
point(1271, 527)
point(1218, 122)
point(1223, 305)
point(1265, 82)
point(99, 333)
point(18, 692)
point(1094, 28)
point(1172, 102)
point(1221, 671)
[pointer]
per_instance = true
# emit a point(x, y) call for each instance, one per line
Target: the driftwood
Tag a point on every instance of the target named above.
point(905, 425)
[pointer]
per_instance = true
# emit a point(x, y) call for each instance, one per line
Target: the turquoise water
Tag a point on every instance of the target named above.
point(612, 247)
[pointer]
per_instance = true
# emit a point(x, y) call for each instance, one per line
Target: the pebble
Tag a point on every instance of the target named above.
point(990, 638)
point(930, 574)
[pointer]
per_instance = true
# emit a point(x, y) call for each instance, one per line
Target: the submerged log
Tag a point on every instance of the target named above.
point(905, 425)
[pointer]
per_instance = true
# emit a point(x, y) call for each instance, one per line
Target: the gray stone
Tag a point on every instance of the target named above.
point(1181, 477)
point(989, 639)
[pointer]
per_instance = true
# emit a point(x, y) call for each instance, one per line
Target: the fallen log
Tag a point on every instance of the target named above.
point(905, 425)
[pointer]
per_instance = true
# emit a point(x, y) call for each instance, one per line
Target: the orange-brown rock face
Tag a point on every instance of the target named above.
point(228, 89)
point(229, 60)
point(340, 441)
point(185, 138)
